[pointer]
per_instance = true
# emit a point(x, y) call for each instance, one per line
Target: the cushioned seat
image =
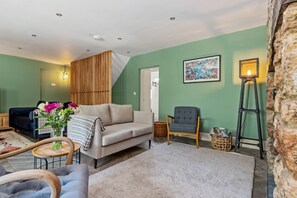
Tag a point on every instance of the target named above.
point(114, 134)
point(138, 129)
point(70, 181)
point(183, 128)
point(73, 179)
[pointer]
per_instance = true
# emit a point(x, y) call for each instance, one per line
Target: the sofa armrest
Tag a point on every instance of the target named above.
point(21, 111)
point(144, 117)
point(97, 138)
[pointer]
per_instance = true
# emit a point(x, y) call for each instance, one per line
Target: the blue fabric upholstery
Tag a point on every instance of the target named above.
point(73, 178)
point(188, 128)
point(185, 119)
point(22, 118)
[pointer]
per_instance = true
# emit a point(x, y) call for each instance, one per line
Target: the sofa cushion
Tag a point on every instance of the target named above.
point(121, 113)
point(188, 128)
point(114, 134)
point(138, 129)
point(101, 111)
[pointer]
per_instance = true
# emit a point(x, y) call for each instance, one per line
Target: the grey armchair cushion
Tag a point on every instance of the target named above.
point(185, 119)
point(186, 115)
point(73, 178)
point(188, 128)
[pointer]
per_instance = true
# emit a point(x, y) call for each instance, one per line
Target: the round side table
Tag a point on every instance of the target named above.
point(44, 152)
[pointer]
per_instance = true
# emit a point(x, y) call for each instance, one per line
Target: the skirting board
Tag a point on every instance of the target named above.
point(206, 137)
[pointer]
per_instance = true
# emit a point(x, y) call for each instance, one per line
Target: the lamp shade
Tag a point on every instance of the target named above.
point(249, 68)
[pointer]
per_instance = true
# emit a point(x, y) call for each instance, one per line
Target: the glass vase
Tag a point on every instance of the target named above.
point(56, 145)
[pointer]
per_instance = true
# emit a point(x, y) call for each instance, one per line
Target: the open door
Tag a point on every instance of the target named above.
point(149, 90)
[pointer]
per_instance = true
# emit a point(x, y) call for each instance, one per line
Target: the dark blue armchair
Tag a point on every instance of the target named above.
point(185, 122)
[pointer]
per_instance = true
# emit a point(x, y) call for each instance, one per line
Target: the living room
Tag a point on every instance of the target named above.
point(45, 51)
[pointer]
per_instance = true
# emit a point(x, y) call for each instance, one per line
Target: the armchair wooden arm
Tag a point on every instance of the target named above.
point(48, 177)
point(45, 141)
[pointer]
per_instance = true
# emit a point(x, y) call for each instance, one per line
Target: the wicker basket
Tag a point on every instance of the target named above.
point(160, 129)
point(221, 143)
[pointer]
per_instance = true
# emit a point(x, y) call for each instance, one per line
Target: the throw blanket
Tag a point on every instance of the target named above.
point(83, 129)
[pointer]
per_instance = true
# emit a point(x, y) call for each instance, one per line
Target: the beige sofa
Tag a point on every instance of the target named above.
point(124, 128)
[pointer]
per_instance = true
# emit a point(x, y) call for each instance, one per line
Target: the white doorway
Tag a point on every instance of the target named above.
point(149, 90)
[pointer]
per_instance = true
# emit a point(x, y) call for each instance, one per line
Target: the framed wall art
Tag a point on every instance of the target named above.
point(206, 69)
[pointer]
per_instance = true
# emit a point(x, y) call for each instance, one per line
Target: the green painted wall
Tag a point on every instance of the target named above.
point(20, 81)
point(218, 101)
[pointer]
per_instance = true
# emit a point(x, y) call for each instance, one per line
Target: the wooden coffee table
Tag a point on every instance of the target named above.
point(44, 152)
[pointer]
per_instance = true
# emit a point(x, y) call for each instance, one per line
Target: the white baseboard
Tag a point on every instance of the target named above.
point(206, 137)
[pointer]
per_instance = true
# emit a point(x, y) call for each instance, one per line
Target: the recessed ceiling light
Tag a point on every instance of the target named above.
point(172, 18)
point(34, 35)
point(88, 50)
point(20, 48)
point(128, 52)
point(59, 14)
point(98, 38)
point(119, 38)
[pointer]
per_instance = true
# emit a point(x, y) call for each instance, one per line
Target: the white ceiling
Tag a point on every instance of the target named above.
point(143, 25)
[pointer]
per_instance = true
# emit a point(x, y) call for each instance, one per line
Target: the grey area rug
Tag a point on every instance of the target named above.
point(177, 170)
point(21, 161)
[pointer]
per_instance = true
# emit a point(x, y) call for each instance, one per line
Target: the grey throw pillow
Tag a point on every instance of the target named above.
point(121, 113)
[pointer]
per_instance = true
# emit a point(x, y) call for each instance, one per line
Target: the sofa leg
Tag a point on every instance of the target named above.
point(95, 163)
point(150, 144)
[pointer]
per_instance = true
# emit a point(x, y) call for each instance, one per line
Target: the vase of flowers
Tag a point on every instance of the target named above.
point(57, 117)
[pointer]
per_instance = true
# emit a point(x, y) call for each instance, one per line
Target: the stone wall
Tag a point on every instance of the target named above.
point(282, 110)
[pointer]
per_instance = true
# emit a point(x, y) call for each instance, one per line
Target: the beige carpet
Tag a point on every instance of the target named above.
point(177, 170)
point(10, 139)
point(21, 161)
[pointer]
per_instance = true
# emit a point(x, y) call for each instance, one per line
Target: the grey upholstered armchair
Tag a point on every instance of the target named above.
point(186, 122)
point(70, 181)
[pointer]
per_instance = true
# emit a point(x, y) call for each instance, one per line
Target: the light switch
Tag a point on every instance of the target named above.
point(53, 84)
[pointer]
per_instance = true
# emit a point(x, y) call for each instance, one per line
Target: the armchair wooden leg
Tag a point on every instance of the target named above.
point(150, 144)
point(168, 138)
point(197, 139)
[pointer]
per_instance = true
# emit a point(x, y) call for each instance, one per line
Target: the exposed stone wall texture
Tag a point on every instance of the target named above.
point(286, 143)
point(284, 180)
point(289, 59)
point(271, 151)
point(282, 111)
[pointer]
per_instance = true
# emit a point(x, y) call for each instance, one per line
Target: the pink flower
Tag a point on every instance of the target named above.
point(52, 106)
point(73, 105)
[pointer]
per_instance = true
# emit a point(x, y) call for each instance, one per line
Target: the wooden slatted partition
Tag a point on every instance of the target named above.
point(91, 79)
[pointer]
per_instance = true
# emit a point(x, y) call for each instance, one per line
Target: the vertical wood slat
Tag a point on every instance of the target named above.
point(91, 79)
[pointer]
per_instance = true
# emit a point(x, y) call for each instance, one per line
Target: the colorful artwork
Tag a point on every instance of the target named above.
point(202, 69)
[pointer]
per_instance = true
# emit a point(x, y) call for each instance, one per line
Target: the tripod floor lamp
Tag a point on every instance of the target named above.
point(248, 72)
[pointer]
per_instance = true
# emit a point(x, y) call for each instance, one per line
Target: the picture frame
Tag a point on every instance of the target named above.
point(205, 69)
